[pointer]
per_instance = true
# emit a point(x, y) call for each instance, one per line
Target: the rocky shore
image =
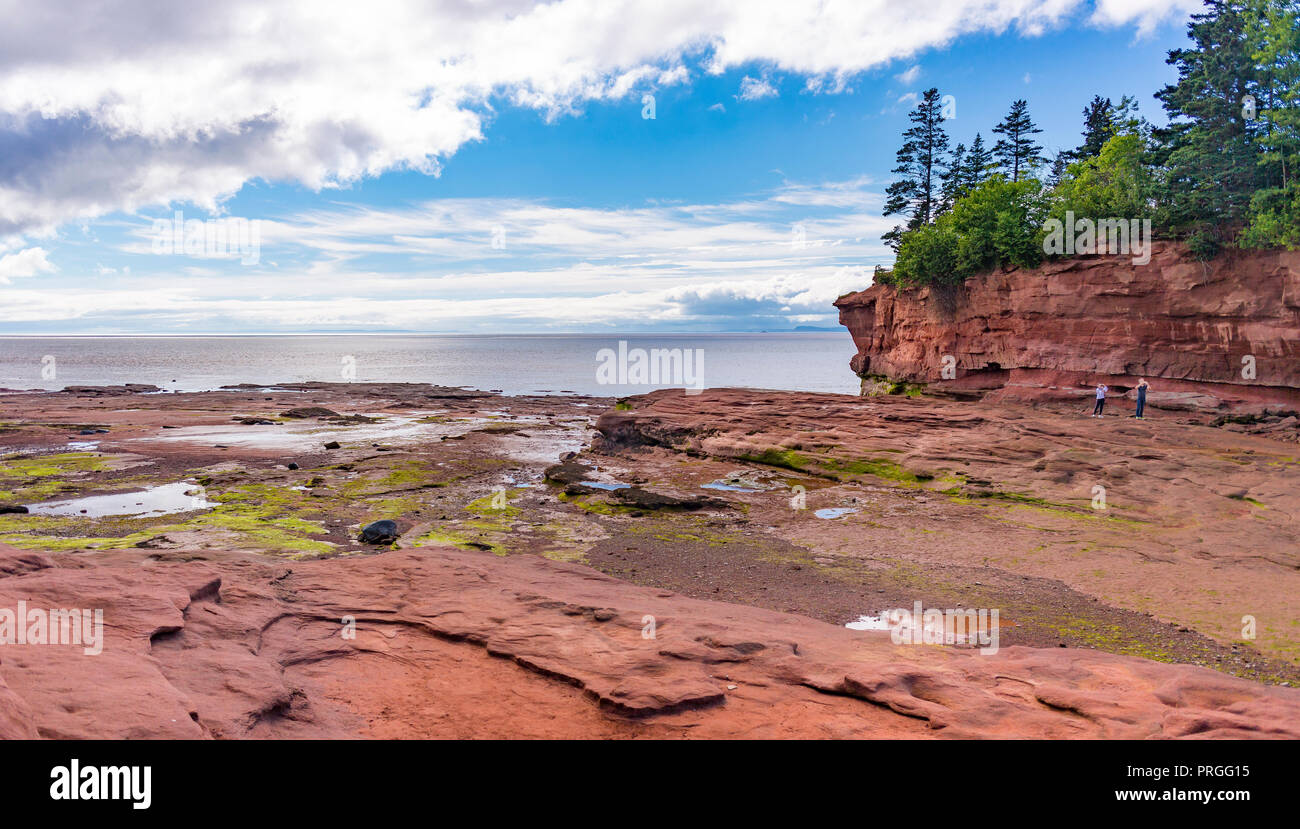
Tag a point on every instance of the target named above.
point(670, 565)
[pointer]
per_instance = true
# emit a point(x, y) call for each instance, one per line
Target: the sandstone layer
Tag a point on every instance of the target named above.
point(466, 644)
point(1218, 335)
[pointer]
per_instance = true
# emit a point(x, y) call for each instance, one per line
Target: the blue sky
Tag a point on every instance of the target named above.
point(522, 197)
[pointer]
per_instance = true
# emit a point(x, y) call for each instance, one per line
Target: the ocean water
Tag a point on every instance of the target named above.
point(512, 364)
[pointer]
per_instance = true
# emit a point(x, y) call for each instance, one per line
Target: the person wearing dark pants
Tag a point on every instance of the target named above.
point(1142, 387)
point(1101, 400)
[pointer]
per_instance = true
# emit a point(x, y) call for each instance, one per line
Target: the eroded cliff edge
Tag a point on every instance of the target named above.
point(1216, 335)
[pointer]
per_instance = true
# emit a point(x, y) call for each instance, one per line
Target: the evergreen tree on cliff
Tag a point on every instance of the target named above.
point(1016, 152)
point(1060, 164)
point(1098, 126)
point(979, 163)
point(1208, 151)
point(954, 179)
point(921, 165)
point(967, 170)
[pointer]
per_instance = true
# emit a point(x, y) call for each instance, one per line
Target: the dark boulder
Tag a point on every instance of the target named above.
point(379, 532)
point(569, 472)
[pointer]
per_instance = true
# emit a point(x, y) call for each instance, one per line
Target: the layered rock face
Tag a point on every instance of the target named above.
point(1216, 335)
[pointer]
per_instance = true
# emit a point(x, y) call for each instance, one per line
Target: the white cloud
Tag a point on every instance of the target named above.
point(909, 76)
point(755, 89)
point(119, 105)
point(431, 266)
point(1146, 13)
point(29, 262)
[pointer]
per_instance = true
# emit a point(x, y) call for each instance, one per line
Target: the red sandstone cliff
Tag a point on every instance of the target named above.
point(1054, 331)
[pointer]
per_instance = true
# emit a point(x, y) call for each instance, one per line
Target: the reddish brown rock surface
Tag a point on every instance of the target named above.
point(467, 644)
point(1052, 332)
point(1197, 526)
point(225, 617)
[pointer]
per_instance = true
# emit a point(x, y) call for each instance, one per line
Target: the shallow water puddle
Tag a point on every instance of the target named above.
point(604, 485)
point(156, 500)
point(878, 622)
point(728, 487)
point(310, 434)
point(835, 512)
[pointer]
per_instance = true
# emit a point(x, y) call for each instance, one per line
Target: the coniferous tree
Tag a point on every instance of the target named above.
point(979, 163)
point(954, 179)
point(1016, 152)
point(1125, 118)
point(922, 163)
point(1060, 164)
point(1208, 151)
point(1098, 126)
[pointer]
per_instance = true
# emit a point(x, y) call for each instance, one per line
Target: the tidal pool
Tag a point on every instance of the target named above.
point(835, 512)
point(155, 500)
point(728, 487)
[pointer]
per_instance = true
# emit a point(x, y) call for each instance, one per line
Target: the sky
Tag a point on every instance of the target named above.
point(501, 166)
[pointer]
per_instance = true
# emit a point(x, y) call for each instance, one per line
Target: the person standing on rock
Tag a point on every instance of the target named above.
point(1142, 387)
point(1101, 400)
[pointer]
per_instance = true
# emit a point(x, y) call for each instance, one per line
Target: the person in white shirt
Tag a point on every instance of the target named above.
point(1101, 400)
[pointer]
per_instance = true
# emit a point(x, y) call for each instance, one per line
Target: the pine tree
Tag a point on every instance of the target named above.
point(1125, 119)
point(979, 163)
point(1060, 163)
point(921, 164)
point(1098, 126)
point(954, 178)
point(1208, 150)
point(1016, 152)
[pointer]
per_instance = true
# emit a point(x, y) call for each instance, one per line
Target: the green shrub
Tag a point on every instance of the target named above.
point(1116, 183)
point(926, 255)
point(997, 223)
point(1274, 218)
point(1203, 245)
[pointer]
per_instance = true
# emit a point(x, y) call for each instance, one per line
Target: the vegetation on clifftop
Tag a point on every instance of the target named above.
point(1223, 173)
